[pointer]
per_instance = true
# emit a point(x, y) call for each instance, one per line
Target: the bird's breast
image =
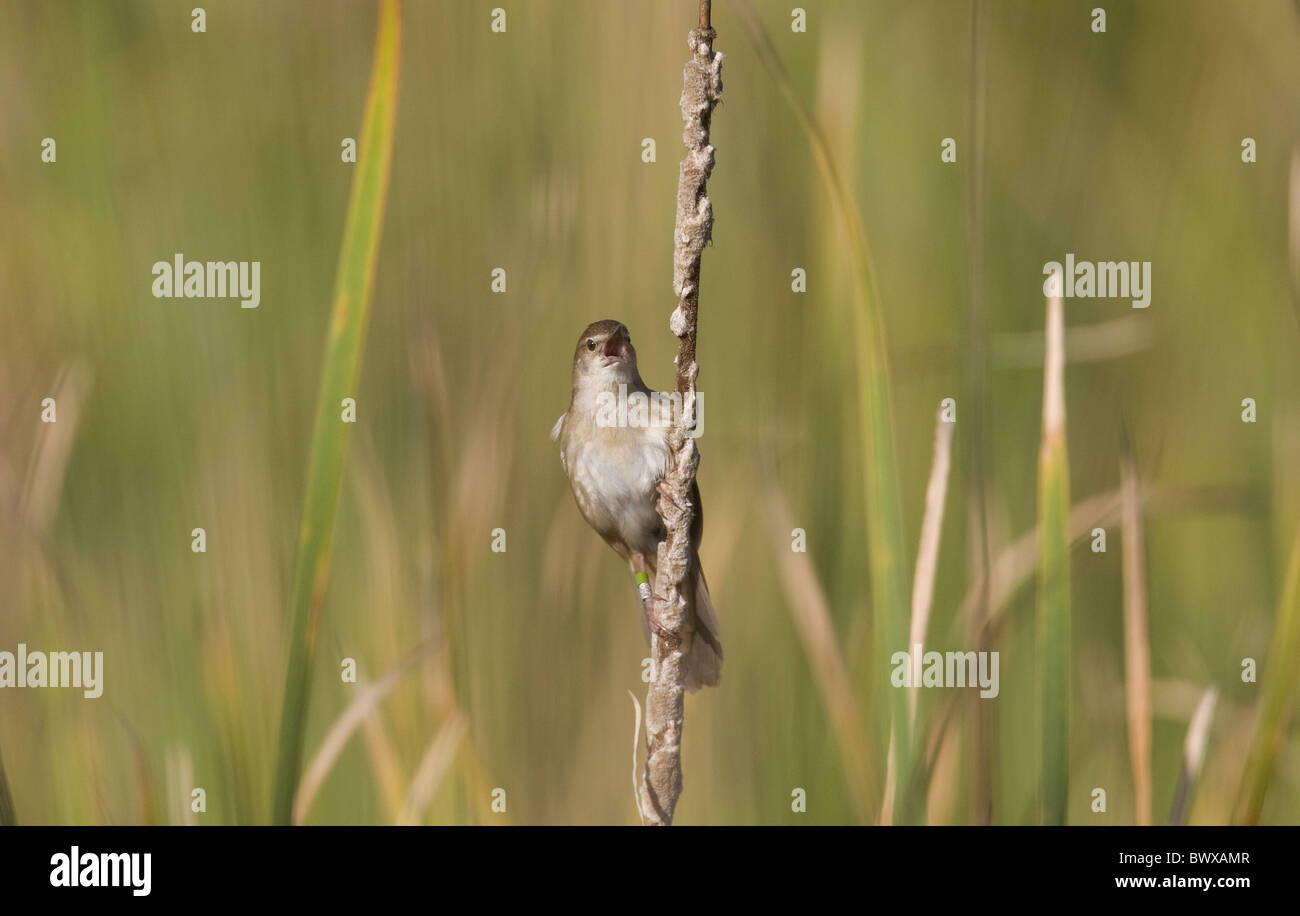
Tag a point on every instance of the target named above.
point(615, 473)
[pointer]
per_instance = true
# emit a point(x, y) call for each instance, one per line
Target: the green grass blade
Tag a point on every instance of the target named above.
point(347, 331)
point(1281, 674)
point(1054, 574)
point(890, 584)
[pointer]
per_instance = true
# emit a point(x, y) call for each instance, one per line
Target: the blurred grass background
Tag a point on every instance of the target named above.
point(522, 150)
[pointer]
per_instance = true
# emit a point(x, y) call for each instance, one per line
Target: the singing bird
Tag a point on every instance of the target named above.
point(615, 459)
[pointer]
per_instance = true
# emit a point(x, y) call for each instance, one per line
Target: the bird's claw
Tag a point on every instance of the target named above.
point(653, 619)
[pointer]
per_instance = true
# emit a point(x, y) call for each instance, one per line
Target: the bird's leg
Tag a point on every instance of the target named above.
point(648, 596)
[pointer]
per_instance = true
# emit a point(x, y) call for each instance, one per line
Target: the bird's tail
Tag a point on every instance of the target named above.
point(704, 657)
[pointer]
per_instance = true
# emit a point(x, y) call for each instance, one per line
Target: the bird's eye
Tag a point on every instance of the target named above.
point(591, 343)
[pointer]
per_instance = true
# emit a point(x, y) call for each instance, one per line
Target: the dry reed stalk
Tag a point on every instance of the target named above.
point(385, 766)
point(1137, 647)
point(661, 784)
point(927, 554)
point(39, 500)
point(1198, 731)
point(927, 558)
point(358, 713)
point(1054, 572)
point(437, 759)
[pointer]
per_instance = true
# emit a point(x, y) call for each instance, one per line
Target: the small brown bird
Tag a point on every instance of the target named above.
point(614, 449)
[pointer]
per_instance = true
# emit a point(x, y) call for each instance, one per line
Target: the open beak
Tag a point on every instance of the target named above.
point(615, 349)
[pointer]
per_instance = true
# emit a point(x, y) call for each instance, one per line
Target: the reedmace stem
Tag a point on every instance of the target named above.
point(661, 783)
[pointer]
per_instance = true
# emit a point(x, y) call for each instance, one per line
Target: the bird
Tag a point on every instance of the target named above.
point(615, 457)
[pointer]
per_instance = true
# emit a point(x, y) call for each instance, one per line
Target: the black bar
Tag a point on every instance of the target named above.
point(331, 865)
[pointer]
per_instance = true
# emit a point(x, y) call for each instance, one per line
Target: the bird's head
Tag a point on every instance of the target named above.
point(604, 356)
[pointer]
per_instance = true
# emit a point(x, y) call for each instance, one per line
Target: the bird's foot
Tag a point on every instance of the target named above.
point(652, 618)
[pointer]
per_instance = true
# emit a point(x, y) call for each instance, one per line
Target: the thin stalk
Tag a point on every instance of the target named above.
point(1137, 644)
point(927, 558)
point(435, 763)
point(927, 553)
point(1054, 575)
point(1198, 730)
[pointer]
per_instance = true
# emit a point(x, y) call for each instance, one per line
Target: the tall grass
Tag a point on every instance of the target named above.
point(885, 545)
point(498, 165)
point(1054, 574)
point(347, 330)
